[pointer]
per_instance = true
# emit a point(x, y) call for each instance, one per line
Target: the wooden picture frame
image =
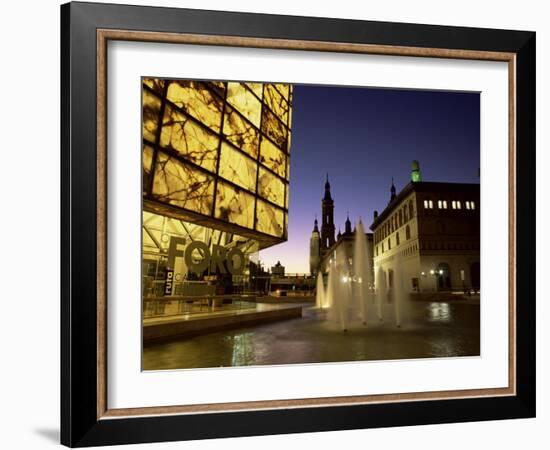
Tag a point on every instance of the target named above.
point(86, 418)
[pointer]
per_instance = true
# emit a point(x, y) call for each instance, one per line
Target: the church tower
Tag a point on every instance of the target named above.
point(327, 222)
point(314, 250)
point(416, 175)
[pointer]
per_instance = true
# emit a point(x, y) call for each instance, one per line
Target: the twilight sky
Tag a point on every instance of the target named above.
point(363, 137)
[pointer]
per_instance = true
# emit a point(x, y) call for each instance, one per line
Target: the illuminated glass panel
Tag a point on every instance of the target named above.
point(245, 102)
point(237, 168)
point(147, 163)
point(288, 139)
point(269, 219)
point(272, 157)
point(234, 205)
point(274, 128)
point(210, 141)
point(256, 88)
point(217, 86)
point(276, 102)
point(240, 133)
point(287, 195)
point(190, 140)
point(151, 113)
point(181, 185)
point(284, 89)
point(288, 169)
point(198, 101)
point(155, 84)
point(271, 187)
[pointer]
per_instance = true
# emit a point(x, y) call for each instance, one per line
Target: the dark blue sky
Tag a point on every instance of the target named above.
point(362, 137)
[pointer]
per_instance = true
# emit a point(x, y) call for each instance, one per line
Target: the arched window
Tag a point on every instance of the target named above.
point(389, 243)
point(407, 232)
point(405, 213)
point(443, 273)
point(397, 238)
point(411, 210)
point(400, 217)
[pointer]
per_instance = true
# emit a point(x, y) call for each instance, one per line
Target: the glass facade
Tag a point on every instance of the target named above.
point(189, 268)
point(215, 190)
point(218, 153)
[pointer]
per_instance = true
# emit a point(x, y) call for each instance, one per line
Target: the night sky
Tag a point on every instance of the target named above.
point(363, 137)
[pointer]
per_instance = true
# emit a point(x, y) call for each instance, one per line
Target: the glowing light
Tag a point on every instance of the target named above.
point(432, 272)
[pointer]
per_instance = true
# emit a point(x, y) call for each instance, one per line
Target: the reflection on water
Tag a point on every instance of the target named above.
point(437, 329)
point(243, 348)
point(439, 312)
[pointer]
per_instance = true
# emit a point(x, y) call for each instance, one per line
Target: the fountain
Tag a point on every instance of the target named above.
point(350, 288)
point(362, 271)
point(321, 298)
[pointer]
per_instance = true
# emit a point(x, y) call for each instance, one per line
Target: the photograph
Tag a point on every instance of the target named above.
point(304, 224)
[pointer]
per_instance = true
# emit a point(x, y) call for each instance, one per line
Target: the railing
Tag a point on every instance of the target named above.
point(195, 304)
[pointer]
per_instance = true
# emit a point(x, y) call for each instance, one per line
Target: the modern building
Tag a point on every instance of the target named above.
point(429, 233)
point(215, 182)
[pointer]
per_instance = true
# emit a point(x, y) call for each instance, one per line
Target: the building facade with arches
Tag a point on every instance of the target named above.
point(429, 235)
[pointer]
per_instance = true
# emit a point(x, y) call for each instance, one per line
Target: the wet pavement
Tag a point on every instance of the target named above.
point(429, 329)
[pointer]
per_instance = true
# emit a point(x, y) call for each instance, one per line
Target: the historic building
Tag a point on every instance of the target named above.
point(327, 221)
point(278, 269)
point(215, 182)
point(314, 250)
point(324, 247)
point(430, 234)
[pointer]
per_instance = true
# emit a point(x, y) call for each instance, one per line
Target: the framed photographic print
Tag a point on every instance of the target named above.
point(276, 224)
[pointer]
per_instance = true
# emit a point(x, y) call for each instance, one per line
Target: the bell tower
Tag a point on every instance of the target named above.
point(327, 221)
point(314, 250)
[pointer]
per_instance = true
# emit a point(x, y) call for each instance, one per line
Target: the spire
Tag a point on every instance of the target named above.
point(392, 190)
point(348, 225)
point(327, 220)
point(339, 235)
point(315, 227)
point(327, 190)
